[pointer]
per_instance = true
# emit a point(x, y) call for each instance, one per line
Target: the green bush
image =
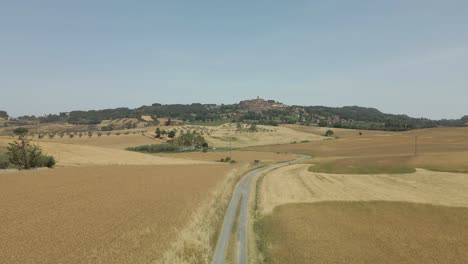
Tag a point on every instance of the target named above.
point(155, 148)
point(46, 161)
point(20, 131)
point(4, 162)
point(24, 155)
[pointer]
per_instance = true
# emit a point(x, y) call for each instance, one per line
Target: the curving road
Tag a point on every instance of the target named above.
point(240, 196)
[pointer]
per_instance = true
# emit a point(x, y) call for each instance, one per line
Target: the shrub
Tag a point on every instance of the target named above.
point(253, 128)
point(329, 133)
point(4, 162)
point(90, 134)
point(155, 148)
point(20, 131)
point(109, 127)
point(171, 134)
point(99, 134)
point(71, 135)
point(46, 161)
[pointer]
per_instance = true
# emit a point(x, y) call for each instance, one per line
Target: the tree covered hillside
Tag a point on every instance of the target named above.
point(257, 111)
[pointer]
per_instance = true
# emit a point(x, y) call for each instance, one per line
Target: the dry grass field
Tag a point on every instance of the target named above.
point(296, 184)
point(367, 232)
point(99, 214)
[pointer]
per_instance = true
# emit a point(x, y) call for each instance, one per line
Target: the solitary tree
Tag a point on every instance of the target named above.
point(158, 133)
point(329, 133)
point(25, 155)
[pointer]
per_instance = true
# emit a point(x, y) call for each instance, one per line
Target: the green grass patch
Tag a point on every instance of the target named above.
point(164, 148)
point(331, 168)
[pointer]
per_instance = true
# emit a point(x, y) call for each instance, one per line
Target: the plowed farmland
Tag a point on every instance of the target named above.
point(99, 214)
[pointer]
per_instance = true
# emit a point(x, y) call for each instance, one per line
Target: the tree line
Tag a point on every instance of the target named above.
point(342, 117)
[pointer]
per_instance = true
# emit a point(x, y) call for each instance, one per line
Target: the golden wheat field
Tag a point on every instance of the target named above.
point(379, 197)
point(83, 154)
point(366, 233)
point(99, 214)
point(296, 184)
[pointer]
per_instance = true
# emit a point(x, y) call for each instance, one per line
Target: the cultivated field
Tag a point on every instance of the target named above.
point(99, 214)
point(444, 149)
point(121, 141)
point(367, 232)
point(338, 132)
point(296, 184)
point(76, 154)
point(227, 134)
point(223, 136)
point(419, 217)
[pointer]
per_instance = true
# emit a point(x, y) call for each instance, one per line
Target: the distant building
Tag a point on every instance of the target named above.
point(259, 105)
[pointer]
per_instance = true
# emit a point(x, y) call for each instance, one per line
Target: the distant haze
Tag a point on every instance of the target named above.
point(401, 57)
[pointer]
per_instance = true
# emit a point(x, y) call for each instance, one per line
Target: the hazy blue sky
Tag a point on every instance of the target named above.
point(398, 56)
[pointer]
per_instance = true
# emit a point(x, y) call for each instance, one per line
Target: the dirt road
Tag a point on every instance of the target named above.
point(240, 198)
